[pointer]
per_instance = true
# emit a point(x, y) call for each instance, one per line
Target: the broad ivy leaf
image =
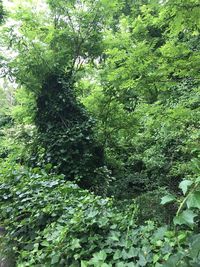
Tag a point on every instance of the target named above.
point(172, 261)
point(133, 252)
point(186, 217)
point(117, 255)
point(159, 234)
point(75, 244)
point(195, 165)
point(194, 246)
point(92, 214)
point(114, 236)
point(184, 185)
point(84, 264)
point(55, 259)
point(98, 257)
point(193, 200)
point(167, 199)
point(142, 261)
point(124, 254)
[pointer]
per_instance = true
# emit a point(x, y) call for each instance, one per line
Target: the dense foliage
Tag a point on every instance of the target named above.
point(54, 223)
point(1, 12)
point(99, 133)
point(64, 134)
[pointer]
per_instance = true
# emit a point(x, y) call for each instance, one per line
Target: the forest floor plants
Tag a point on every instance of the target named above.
point(51, 222)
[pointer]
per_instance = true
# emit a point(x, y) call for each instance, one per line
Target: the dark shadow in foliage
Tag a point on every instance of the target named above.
point(2, 12)
point(7, 257)
point(65, 134)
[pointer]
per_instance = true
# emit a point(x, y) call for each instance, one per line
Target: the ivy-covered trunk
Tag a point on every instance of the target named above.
point(65, 135)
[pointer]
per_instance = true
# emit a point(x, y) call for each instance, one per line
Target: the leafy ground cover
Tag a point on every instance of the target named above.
point(51, 222)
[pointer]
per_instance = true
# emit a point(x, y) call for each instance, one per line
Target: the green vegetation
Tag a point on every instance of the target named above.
point(1, 12)
point(99, 133)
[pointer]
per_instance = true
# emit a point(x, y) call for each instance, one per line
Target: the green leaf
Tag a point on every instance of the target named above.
point(155, 258)
point(182, 237)
point(117, 255)
point(193, 200)
point(184, 185)
point(194, 246)
point(167, 199)
point(124, 254)
point(102, 255)
point(55, 259)
point(172, 261)
point(186, 217)
point(133, 252)
point(142, 260)
point(159, 234)
point(114, 236)
point(84, 264)
point(75, 244)
point(98, 257)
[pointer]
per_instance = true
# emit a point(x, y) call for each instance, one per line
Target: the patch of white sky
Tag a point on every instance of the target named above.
point(12, 5)
point(39, 5)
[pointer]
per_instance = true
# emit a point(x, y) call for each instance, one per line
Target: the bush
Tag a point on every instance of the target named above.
point(149, 208)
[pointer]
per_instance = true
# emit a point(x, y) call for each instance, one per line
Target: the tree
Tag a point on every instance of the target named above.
point(52, 51)
point(147, 88)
